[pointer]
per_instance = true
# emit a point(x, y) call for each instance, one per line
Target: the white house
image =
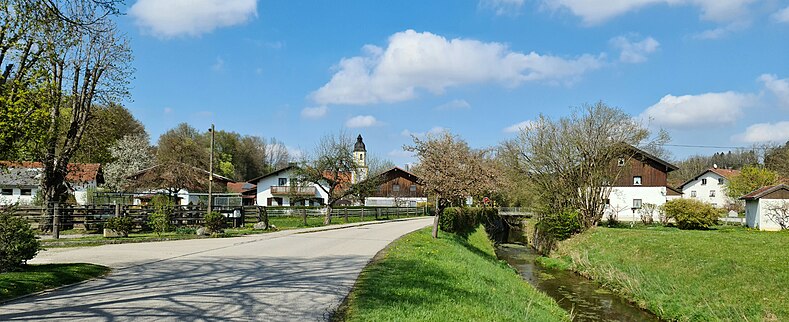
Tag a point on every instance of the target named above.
point(710, 186)
point(20, 181)
point(766, 207)
point(274, 189)
point(642, 180)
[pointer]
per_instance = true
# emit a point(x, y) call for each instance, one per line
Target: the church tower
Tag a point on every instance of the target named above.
point(360, 157)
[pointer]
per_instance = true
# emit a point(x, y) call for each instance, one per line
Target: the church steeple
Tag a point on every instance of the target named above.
point(360, 157)
point(359, 146)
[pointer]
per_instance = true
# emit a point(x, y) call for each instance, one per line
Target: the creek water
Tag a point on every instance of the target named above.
point(583, 298)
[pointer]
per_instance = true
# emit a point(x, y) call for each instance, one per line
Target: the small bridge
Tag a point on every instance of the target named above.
point(515, 212)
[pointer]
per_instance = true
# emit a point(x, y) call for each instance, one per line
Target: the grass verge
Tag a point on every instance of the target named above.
point(35, 278)
point(729, 274)
point(418, 278)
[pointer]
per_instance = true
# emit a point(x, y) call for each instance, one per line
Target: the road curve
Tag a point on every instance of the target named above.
point(283, 276)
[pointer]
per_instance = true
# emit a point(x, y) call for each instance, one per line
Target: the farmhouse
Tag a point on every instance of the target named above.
point(280, 188)
point(642, 183)
point(20, 181)
point(767, 208)
point(398, 188)
point(710, 186)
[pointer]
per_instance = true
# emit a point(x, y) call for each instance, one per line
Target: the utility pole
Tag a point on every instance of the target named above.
point(211, 170)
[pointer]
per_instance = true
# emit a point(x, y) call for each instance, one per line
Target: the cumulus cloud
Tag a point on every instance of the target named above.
point(782, 15)
point(503, 7)
point(314, 112)
point(696, 110)
point(171, 18)
point(634, 51)
point(415, 61)
point(779, 88)
point(361, 121)
point(598, 11)
point(517, 127)
point(765, 132)
point(454, 105)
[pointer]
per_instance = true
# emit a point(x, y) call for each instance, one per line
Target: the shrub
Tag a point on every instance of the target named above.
point(161, 219)
point(560, 226)
point(691, 214)
point(121, 225)
point(214, 222)
point(464, 220)
point(18, 243)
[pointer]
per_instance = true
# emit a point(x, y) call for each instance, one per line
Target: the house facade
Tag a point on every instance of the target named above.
point(710, 186)
point(642, 181)
point(274, 189)
point(765, 206)
point(398, 188)
point(20, 181)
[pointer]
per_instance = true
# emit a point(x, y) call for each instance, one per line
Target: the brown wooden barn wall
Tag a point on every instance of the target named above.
point(385, 189)
point(652, 174)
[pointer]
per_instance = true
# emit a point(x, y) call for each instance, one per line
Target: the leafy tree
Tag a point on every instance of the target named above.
point(451, 170)
point(130, 154)
point(777, 159)
point(107, 125)
point(750, 179)
point(183, 144)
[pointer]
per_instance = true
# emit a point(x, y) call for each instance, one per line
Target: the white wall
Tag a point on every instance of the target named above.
point(621, 201)
point(703, 191)
point(761, 210)
point(751, 213)
point(16, 196)
point(390, 202)
point(81, 191)
point(264, 189)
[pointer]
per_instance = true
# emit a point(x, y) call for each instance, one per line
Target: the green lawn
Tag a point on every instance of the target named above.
point(34, 278)
point(450, 279)
point(730, 274)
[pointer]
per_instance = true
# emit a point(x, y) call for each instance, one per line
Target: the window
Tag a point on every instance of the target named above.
point(26, 192)
point(637, 180)
point(693, 194)
point(703, 182)
point(712, 193)
point(621, 162)
point(636, 203)
point(412, 188)
point(721, 181)
point(361, 156)
point(395, 187)
point(283, 182)
point(7, 192)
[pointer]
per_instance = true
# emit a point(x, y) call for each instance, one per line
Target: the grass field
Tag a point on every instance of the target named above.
point(729, 274)
point(34, 278)
point(450, 279)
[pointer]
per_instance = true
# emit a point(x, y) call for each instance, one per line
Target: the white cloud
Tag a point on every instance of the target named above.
point(765, 132)
point(503, 7)
point(361, 121)
point(634, 51)
point(598, 11)
point(782, 15)
point(696, 110)
point(171, 18)
point(454, 105)
point(433, 131)
point(779, 88)
point(516, 128)
point(416, 61)
point(314, 112)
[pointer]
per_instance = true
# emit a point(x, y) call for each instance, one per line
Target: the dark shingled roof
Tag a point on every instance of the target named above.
point(763, 191)
point(359, 146)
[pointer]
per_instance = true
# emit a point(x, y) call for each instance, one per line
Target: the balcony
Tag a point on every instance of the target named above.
point(292, 191)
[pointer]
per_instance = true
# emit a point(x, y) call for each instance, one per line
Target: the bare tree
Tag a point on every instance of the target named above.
point(452, 171)
point(778, 212)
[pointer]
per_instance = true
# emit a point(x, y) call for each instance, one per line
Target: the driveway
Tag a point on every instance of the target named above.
point(283, 276)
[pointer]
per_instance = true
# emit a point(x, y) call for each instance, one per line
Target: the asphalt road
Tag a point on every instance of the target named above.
point(281, 276)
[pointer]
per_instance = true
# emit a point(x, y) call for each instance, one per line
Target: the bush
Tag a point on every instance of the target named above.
point(464, 220)
point(18, 243)
point(161, 219)
point(691, 214)
point(214, 222)
point(560, 226)
point(121, 225)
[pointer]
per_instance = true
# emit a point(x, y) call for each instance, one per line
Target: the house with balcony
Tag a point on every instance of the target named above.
point(710, 186)
point(283, 188)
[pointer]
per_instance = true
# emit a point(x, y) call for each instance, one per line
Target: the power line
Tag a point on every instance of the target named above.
point(717, 146)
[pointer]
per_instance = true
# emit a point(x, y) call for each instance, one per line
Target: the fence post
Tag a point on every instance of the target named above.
point(377, 213)
point(362, 216)
point(56, 222)
point(265, 217)
point(304, 216)
point(346, 214)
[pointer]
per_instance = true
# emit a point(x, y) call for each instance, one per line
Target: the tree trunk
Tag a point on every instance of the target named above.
point(327, 218)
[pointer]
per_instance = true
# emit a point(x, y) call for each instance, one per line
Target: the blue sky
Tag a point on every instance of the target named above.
point(711, 72)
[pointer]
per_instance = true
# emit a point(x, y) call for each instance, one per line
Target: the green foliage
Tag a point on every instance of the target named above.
point(161, 218)
point(35, 278)
point(18, 243)
point(215, 222)
point(750, 179)
point(691, 213)
point(122, 225)
point(559, 226)
point(464, 220)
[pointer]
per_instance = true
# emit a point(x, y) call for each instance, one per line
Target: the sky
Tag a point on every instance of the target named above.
point(710, 72)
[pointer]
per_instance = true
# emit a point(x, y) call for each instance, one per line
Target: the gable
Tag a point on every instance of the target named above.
point(782, 193)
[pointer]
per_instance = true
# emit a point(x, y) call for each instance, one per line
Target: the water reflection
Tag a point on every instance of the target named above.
point(583, 298)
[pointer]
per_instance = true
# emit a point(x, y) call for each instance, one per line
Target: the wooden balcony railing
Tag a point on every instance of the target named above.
point(288, 190)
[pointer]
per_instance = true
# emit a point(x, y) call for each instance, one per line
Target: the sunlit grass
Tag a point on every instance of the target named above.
point(34, 278)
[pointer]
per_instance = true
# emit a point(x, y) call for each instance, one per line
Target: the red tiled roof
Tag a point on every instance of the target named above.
point(77, 172)
point(239, 187)
point(758, 193)
point(726, 173)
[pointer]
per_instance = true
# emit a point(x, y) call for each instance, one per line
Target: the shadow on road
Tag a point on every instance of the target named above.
point(205, 289)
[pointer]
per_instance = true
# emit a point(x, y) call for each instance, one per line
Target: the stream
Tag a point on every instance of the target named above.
point(583, 298)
